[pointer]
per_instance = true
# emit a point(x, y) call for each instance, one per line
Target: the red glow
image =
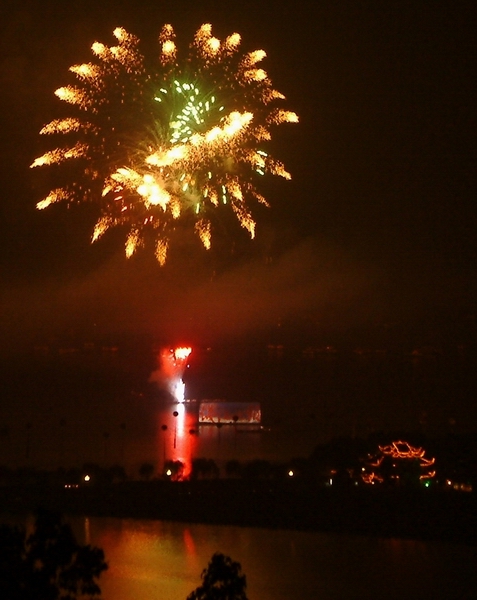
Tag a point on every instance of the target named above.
point(189, 543)
point(177, 438)
point(172, 363)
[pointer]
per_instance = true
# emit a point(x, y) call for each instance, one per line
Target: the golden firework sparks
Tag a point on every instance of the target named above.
point(181, 138)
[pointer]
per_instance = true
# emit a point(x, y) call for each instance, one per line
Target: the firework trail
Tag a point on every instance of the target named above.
point(172, 364)
point(171, 142)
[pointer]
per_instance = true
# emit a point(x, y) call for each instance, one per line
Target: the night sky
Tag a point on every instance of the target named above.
point(377, 225)
point(371, 243)
point(374, 233)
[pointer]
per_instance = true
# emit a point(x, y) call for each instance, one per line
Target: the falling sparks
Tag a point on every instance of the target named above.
point(180, 139)
point(61, 154)
point(54, 196)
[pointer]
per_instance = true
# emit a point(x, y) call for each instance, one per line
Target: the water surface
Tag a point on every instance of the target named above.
point(149, 560)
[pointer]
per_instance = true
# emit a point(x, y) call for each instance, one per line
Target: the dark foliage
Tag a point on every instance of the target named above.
point(146, 471)
point(49, 564)
point(222, 580)
point(205, 468)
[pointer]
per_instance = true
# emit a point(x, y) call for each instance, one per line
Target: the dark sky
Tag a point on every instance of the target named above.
point(377, 225)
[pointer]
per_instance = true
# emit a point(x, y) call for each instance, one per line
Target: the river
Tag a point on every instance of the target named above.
point(153, 560)
point(69, 410)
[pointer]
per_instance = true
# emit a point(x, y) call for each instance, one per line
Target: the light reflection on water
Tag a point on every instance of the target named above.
point(181, 438)
point(177, 435)
point(156, 559)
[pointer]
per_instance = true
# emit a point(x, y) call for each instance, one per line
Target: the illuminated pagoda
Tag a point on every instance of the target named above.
point(398, 463)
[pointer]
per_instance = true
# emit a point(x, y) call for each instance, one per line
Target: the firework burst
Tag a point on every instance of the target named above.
point(169, 142)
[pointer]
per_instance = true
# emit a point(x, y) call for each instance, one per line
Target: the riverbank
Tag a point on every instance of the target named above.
point(300, 505)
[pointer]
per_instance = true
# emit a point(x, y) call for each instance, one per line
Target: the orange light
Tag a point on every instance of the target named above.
point(182, 353)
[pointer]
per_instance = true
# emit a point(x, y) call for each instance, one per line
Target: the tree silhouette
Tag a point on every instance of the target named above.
point(146, 470)
point(205, 467)
point(222, 580)
point(49, 564)
point(233, 468)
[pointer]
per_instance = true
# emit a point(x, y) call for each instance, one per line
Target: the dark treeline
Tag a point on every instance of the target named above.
point(422, 491)
point(343, 459)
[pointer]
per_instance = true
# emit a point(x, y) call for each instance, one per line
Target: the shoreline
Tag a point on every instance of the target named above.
point(298, 505)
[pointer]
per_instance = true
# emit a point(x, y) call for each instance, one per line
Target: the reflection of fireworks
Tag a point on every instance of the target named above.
point(177, 140)
point(173, 362)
